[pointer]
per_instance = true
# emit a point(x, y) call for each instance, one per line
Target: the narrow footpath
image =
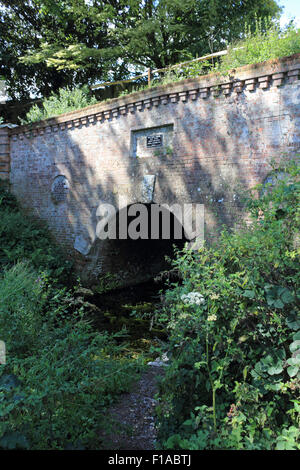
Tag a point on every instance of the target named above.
point(131, 419)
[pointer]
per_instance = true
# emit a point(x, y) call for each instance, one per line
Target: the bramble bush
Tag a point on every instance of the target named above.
point(234, 332)
point(60, 375)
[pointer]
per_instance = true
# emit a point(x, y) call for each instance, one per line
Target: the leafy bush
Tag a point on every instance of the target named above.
point(234, 326)
point(25, 238)
point(60, 374)
point(64, 101)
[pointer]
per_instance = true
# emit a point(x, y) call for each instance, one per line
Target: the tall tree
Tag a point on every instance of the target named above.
point(158, 33)
point(81, 41)
point(32, 25)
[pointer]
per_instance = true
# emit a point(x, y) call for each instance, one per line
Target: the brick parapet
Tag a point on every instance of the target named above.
point(249, 78)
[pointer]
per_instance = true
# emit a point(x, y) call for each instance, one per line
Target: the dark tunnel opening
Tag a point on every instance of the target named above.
point(136, 263)
point(141, 236)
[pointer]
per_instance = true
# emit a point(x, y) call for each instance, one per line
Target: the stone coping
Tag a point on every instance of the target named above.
point(275, 72)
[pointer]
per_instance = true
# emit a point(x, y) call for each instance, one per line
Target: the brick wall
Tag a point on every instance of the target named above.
point(221, 133)
point(4, 153)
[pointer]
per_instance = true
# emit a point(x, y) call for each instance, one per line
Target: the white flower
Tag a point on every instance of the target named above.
point(193, 298)
point(212, 317)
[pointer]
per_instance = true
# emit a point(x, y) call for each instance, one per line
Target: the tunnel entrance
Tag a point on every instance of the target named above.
point(136, 252)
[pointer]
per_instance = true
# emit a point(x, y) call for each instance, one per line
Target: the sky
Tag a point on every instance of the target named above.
point(291, 10)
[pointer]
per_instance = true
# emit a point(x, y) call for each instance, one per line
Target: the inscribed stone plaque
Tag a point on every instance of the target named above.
point(155, 140)
point(152, 142)
point(60, 189)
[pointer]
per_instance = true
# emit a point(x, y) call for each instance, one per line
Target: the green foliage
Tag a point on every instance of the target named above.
point(64, 101)
point(25, 26)
point(107, 282)
point(60, 375)
point(266, 42)
point(233, 380)
point(262, 41)
point(24, 238)
point(21, 303)
point(47, 45)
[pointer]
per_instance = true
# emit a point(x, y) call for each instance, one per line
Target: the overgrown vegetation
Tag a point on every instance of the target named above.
point(64, 101)
point(234, 333)
point(72, 43)
point(266, 41)
point(60, 375)
point(25, 238)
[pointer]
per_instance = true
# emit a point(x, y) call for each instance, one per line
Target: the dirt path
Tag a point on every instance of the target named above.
point(133, 426)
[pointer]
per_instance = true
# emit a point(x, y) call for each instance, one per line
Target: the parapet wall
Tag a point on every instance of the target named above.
point(273, 73)
point(197, 140)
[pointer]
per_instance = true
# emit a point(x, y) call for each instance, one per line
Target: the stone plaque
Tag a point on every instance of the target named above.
point(148, 189)
point(60, 189)
point(155, 140)
point(82, 244)
point(152, 142)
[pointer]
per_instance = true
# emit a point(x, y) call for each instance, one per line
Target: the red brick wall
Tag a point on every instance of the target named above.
point(4, 153)
point(225, 131)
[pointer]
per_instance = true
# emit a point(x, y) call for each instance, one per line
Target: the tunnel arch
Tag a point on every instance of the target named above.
point(133, 260)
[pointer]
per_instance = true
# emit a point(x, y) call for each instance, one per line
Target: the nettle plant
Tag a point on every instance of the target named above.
point(234, 328)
